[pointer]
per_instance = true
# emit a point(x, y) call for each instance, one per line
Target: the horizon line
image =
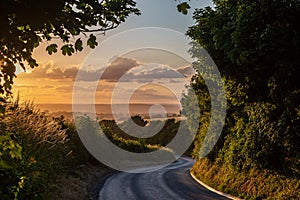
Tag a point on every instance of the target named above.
point(110, 103)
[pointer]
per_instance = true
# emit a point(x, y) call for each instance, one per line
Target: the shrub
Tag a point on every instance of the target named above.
point(33, 147)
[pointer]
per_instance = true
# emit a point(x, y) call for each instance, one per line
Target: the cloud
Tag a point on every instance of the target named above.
point(50, 71)
point(148, 73)
point(51, 83)
point(186, 71)
point(47, 87)
point(23, 86)
point(127, 69)
point(118, 68)
point(45, 71)
point(70, 72)
point(65, 89)
point(112, 73)
point(88, 75)
point(153, 93)
point(160, 72)
point(175, 81)
point(54, 73)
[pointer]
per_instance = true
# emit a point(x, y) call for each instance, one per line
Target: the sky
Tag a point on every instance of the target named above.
point(144, 60)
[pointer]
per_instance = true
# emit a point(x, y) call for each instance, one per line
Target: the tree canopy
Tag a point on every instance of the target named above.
point(255, 41)
point(256, 46)
point(25, 24)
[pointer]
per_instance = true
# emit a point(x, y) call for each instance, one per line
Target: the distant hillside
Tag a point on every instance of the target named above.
point(104, 111)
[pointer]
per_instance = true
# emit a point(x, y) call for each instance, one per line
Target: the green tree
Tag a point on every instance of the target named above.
point(25, 24)
point(255, 45)
point(256, 42)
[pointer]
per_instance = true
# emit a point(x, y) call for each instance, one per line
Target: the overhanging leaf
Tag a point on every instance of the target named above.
point(67, 49)
point(52, 48)
point(78, 45)
point(183, 8)
point(92, 41)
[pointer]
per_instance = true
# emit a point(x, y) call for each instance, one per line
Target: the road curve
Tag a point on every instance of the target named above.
point(172, 182)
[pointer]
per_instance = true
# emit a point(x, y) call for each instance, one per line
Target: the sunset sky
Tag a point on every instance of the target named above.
point(146, 65)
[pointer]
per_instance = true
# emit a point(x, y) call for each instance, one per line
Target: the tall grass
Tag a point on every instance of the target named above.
point(42, 151)
point(42, 157)
point(35, 131)
point(254, 184)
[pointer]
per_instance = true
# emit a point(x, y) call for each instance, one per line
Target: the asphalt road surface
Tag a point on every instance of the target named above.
point(172, 182)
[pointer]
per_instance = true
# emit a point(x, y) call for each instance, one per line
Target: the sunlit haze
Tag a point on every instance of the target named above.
point(52, 81)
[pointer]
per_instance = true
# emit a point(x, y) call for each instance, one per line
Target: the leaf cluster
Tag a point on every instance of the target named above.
point(254, 42)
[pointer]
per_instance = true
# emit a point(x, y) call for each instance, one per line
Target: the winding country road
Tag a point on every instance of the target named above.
point(172, 182)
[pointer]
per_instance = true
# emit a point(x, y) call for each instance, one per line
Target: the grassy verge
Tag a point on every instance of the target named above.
point(82, 183)
point(43, 157)
point(254, 184)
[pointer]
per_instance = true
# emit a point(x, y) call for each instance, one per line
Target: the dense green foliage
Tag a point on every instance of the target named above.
point(256, 46)
point(37, 152)
point(163, 131)
point(251, 184)
point(32, 150)
point(262, 87)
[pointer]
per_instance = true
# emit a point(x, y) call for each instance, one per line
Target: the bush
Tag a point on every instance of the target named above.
point(253, 184)
point(32, 148)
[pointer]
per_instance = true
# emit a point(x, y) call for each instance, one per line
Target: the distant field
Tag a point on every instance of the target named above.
point(104, 111)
